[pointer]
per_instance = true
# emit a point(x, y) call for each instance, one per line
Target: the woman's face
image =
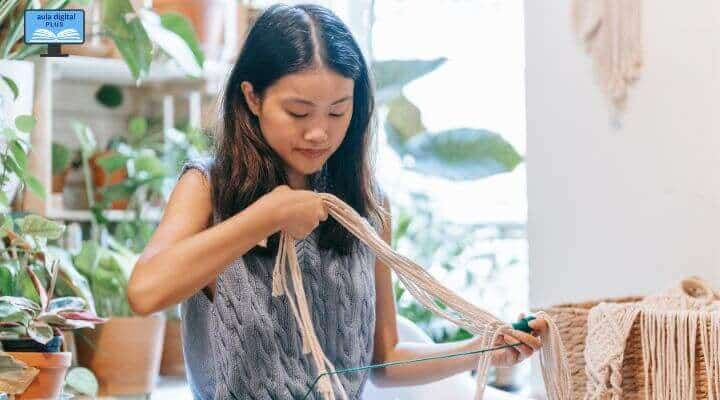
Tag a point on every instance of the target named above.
point(304, 117)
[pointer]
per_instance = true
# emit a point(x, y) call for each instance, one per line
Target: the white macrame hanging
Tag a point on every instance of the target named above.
point(612, 33)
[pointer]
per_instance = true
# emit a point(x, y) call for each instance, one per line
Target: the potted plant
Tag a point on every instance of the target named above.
point(31, 318)
point(62, 158)
point(104, 350)
point(173, 360)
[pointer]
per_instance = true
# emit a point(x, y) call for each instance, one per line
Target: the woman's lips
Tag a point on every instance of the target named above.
point(310, 153)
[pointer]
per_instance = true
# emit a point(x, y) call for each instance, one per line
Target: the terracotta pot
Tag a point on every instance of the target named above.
point(58, 181)
point(173, 362)
point(101, 179)
point(124, 353)
point(49, 382)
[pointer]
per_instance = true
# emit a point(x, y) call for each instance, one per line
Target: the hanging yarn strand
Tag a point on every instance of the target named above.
point(427, 290)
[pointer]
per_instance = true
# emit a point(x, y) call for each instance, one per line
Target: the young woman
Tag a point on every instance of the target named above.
point(297, 113)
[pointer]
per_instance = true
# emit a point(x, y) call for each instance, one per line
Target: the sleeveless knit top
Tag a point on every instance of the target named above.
point(246, 344)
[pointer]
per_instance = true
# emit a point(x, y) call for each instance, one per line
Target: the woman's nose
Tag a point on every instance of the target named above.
point(317, 135)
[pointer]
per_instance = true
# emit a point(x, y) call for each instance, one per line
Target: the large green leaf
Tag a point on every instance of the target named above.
point(37, 226)
point(405, 118)
point(392, 75)
point(181, 26)
point(129, 36)
point(462, 154)
point(35, 185)
point(171, 43)
point(18, 153)
point(148, 165)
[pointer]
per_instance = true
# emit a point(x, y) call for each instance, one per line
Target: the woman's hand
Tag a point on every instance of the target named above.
point(530, 343)
point(299, 212)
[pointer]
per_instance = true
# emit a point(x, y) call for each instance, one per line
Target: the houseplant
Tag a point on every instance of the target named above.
point(104, 350)
point(107, 268)
point(31, 317)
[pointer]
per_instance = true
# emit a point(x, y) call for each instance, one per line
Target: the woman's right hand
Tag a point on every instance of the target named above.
point(299, 212)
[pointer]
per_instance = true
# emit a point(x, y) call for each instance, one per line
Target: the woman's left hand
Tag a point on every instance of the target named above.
point(530, 343)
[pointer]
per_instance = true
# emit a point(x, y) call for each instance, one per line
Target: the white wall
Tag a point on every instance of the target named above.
point(631, 210)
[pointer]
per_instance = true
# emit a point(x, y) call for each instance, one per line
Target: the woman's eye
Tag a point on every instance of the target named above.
point(297, 115)
point(337, 115)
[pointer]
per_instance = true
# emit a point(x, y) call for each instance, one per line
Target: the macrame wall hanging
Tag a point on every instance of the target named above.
point(612, 33)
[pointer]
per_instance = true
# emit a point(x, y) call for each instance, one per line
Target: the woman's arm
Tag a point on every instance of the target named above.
point(183, 256)
point(388, 348)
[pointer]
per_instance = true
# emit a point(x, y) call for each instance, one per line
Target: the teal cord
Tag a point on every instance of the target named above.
point(388, 364)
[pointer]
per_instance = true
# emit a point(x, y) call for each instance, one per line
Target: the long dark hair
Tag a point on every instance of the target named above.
point(245, 167)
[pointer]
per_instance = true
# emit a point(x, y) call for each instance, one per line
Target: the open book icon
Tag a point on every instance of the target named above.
point(65, 35)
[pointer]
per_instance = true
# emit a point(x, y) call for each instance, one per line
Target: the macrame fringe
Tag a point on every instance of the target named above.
point(426, 289)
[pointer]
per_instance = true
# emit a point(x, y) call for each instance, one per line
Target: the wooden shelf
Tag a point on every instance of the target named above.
point(112, 215)
point(115, 71)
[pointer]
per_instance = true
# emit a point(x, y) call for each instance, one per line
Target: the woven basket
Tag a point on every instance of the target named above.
point(571, 320)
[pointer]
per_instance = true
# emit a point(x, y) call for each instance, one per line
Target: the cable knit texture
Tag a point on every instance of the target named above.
point(247, 345)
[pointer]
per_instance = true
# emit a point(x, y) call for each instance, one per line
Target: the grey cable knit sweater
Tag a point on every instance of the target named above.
point(246, 344)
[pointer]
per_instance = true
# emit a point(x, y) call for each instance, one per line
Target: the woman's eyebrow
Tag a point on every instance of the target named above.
point(310, 103)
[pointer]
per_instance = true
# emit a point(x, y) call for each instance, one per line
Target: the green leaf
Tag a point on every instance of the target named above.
point(25, 123)
point(82, 381)
point(8, 276)
point(87, 260)
point(86, 138)
point(7, 7)
point(112, 162)
point(10, 312)
point(405, 118)
point(18, 153)
point(181, 26)
point(12, 85)
point(129, 36)
point(37, 226)
point(120, 191)
point(59, 304)
point(82, 3)
point(9, 133)
point(35, 186)
point(171, 43)
point(40, 332)
point(70, 281)
point(462, 154)
point(138, 126)
point(392, 75)
point(148, 165)
point(60, 158)
point(109, 95)
point(14, 167)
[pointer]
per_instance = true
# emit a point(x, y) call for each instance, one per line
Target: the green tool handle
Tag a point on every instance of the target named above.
point(523, 325)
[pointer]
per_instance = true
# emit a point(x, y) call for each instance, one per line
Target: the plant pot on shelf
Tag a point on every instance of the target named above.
point(173, 361)
point(22, 73)
point(58, 181)
point(101, 179)
point(124, 353)
point(51, 363)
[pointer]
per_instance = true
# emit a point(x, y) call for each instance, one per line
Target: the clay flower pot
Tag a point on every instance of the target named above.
point(49, 382)
point(173, 361)
point(124, 353)
point(101, 179)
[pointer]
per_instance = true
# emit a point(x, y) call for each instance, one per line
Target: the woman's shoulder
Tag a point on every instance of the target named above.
point(203, 164)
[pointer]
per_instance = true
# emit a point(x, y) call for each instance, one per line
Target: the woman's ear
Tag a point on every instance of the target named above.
point(250, 98)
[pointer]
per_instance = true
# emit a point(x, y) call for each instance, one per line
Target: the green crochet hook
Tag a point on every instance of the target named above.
point(524, 324)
